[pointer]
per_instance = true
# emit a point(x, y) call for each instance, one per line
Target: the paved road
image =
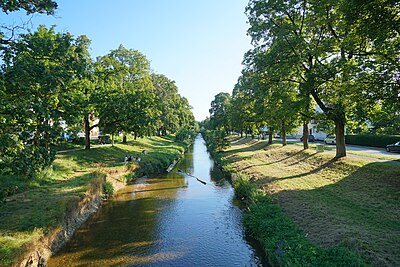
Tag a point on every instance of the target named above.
point(372, 150)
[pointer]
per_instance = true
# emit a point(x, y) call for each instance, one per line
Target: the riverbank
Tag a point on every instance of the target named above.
point(169, 219)
point(309, 210)
point(38, 213)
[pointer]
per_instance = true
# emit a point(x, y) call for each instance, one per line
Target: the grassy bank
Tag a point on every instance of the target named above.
point(309, 210)
point(29, 209)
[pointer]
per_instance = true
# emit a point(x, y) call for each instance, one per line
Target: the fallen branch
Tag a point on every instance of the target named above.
point(188, 174)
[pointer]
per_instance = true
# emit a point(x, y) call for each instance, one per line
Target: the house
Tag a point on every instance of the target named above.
point(312, 129)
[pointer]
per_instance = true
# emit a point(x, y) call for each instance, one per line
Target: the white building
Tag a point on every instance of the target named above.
point(312, 129)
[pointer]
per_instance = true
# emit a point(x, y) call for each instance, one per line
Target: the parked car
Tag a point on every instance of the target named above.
point(393, 147)
point(311, 138)
point(330, 140)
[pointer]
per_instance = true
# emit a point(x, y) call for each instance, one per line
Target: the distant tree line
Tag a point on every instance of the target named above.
point(340, 55)
point(48, 79)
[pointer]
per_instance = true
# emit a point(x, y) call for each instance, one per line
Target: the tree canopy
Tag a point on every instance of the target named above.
point(49, 85)
point(340, 55)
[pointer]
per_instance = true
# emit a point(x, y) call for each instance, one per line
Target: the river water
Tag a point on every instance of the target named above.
point(167, 220)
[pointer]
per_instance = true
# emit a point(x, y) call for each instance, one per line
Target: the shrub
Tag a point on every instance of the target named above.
point(129, 177)
point(17, 157)
point(371, 140)
point(79, 140)
point(216, 140)
point(108, 189)
point(243, 187)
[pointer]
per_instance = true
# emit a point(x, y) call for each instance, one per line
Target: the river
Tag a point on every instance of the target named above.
point(167, 220)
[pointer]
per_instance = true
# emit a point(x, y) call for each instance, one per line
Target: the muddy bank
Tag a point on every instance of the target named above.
point(76, 214)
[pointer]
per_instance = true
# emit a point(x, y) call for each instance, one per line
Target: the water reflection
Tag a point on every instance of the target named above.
point(168, 220)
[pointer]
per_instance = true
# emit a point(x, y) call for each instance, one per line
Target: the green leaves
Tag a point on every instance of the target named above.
point(323, 49)
point(35, 74)
point(49, 84)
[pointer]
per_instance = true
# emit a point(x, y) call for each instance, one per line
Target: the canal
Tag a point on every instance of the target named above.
point(167, 220)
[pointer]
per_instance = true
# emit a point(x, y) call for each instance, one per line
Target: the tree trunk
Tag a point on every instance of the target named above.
point(124, 139)
point(340, 142)
point(241, 134)
point(270, 133)
point(284, 143)
point(87, 131)
point(135, 134)
point(112, 140)
point(305, 135)
point(46, 135)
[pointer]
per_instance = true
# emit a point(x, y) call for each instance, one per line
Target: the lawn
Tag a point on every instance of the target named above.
point(30, 208)
point(348, 202)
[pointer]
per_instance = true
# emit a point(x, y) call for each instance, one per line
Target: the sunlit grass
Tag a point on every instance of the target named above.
point(39, 205)
point(351, 201)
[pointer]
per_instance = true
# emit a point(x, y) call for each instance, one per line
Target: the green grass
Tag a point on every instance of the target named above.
point(31, 208)
point(68, 145)
point(334, 209)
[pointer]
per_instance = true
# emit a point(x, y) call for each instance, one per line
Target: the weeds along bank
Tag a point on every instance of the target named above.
point(38, 216)
point(308, 210)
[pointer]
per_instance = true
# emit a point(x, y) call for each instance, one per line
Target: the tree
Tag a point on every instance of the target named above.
point(247, 111)
point(37, 6)
point(80, 97)
point(35, 72)
point(169, 103)
point(219, 112)
point(127, 98)
point(326, 53)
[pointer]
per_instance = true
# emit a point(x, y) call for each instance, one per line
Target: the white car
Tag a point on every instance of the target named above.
point(330, 140)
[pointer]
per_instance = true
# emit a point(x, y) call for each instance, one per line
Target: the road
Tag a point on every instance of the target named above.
point(365, 150)
point(372, 150)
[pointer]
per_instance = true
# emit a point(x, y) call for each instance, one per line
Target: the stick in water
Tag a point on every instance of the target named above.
point(179, 170)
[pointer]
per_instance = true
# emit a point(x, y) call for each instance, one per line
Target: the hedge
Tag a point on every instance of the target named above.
point(371, 140)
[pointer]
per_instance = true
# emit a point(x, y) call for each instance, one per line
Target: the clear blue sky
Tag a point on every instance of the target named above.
point(197, 43)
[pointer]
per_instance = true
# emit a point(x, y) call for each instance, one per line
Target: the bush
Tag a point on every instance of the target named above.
point(216, 140)
point(243, 187)
point(186, 136)
point(108, 189)
point(17, 157)
point(129, 177)
point(79, 140)
point(371, 140)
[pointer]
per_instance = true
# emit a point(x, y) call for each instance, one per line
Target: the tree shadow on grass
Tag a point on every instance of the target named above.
point(252, 146)
point(234, 158)
point(239, 141)
point(235, 139)
point(360, 210)
point(107, 156)
point(304, 156)
point(42, 207)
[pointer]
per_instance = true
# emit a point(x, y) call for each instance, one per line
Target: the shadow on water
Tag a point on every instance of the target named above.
point(170, 219)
